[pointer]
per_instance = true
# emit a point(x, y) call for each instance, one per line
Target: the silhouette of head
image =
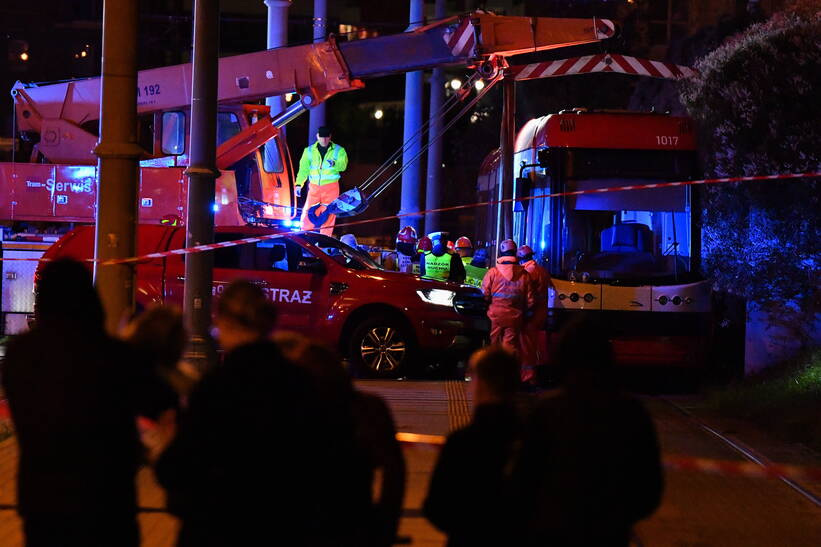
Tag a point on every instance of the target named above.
point(66, 294)
point(584, 350)
point(322, 363)
point(159, 331)
point(496, 372)
point(244, 315)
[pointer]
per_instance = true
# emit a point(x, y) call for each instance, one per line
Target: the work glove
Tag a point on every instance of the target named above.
point(299, 191)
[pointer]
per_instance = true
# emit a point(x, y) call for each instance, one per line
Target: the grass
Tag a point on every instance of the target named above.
point(785, 399)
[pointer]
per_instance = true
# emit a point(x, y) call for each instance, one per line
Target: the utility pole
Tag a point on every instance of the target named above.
point(317, 113)
point(118, 151)
point(202, 173)
point(277, 37)
point(504, 219)
point(433, 191)
point(412, 169)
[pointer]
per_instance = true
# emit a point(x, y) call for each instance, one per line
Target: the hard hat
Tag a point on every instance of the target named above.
point(406, 235)
point(463, 243)
point(450, 245)
point(424, 245)
point(349, 240)
point(438, 237)
point(524, 252)
point(507, 247)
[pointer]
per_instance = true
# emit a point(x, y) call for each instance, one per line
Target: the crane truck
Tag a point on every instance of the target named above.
point(57, 184)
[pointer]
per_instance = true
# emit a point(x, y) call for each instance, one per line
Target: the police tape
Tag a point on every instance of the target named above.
point(727, 468)
point(256, 239)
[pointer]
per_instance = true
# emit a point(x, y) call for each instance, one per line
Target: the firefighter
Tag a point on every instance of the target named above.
point(407, 257)
point(474, 271)
point(321, 165)
point(508, 289)
point(533, 352)
point(440, 264)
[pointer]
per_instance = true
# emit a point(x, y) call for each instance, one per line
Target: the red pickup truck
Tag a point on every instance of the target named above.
point(385, 322)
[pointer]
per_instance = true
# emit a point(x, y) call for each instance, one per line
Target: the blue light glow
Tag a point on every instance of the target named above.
point(543, 244)
point(215, 207)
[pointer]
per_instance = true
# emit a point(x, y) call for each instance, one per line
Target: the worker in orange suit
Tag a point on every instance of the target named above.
point(508, 289)
point(321, 165)
point(533, 355)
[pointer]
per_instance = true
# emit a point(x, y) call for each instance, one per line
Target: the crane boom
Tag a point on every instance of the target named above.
point(57, 112)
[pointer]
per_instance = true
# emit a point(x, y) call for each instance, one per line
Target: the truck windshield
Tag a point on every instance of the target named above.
point(341, 253)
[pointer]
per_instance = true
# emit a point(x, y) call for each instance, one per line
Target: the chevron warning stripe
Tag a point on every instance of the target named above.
point(461, 39)
point(603, 62)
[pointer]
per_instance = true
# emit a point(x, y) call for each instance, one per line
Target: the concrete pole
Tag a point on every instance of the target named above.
point(504, 220)
point(317, 113)
point(412, 174)
point(117, 150)
point(433, 192)
point(202, 172)
point(277, 37)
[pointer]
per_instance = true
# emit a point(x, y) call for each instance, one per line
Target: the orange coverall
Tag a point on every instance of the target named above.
point(508, 288)
point(534, 355)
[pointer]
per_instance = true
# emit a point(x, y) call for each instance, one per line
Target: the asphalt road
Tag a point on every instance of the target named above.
point(699, 509)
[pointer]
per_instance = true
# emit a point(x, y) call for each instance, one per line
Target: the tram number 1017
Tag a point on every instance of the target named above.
point(667, 140)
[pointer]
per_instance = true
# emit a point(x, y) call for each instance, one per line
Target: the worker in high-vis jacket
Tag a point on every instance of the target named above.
point(440, 263)
point(508, 290)
point(474, 270)
point(320, 165)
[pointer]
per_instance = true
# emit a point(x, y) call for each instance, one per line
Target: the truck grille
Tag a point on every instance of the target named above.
point(470, 303)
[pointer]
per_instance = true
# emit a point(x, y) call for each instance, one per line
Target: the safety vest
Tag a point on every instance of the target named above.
point(320, 171)
point(437, 267)
point(474, 274)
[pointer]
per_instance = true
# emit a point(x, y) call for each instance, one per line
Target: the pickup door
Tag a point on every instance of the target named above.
point(290, 274)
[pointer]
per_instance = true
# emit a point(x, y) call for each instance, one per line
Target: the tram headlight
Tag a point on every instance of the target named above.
point(677, 300)
point(574, 297)
point(663, 300)
point(589, 298)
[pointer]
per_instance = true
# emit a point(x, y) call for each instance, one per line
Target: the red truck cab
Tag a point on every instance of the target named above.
point(385, 322)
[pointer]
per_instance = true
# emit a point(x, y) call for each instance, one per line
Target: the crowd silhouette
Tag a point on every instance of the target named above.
point(275, 445)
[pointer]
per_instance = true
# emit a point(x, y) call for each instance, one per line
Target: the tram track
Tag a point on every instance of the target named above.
point(747, 452)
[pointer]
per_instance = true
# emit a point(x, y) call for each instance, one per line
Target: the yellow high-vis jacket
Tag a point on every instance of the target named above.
point(321, 171)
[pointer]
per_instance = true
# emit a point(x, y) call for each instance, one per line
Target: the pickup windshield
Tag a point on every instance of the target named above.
point(341, 253)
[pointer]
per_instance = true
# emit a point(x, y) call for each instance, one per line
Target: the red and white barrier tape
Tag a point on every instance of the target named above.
point(630, 187)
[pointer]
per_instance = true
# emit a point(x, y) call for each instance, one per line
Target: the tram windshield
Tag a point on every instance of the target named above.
point(612, 235)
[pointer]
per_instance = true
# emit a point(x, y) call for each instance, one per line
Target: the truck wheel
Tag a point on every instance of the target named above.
point(380, 348)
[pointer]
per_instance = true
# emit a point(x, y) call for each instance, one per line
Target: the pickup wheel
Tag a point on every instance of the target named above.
point(380, 348)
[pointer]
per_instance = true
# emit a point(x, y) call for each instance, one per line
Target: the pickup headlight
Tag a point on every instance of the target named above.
point(438, 297)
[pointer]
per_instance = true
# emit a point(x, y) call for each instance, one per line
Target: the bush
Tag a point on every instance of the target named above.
point(756, 102)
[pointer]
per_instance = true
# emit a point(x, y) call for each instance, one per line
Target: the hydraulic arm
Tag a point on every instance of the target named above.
point(57, 113)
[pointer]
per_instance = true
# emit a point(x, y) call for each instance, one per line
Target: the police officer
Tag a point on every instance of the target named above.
point(508, 289)
point(474, 270)
point(533, 354)
point(440, 264)
point(321, 165)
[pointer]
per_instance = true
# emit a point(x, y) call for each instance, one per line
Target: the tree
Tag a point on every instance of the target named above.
point(756, 102)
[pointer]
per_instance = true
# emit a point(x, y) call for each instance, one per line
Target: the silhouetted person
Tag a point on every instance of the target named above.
point(589, 465)
point(74, 394)
point(247, 465)
point(375, 446)
point(466, 497)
